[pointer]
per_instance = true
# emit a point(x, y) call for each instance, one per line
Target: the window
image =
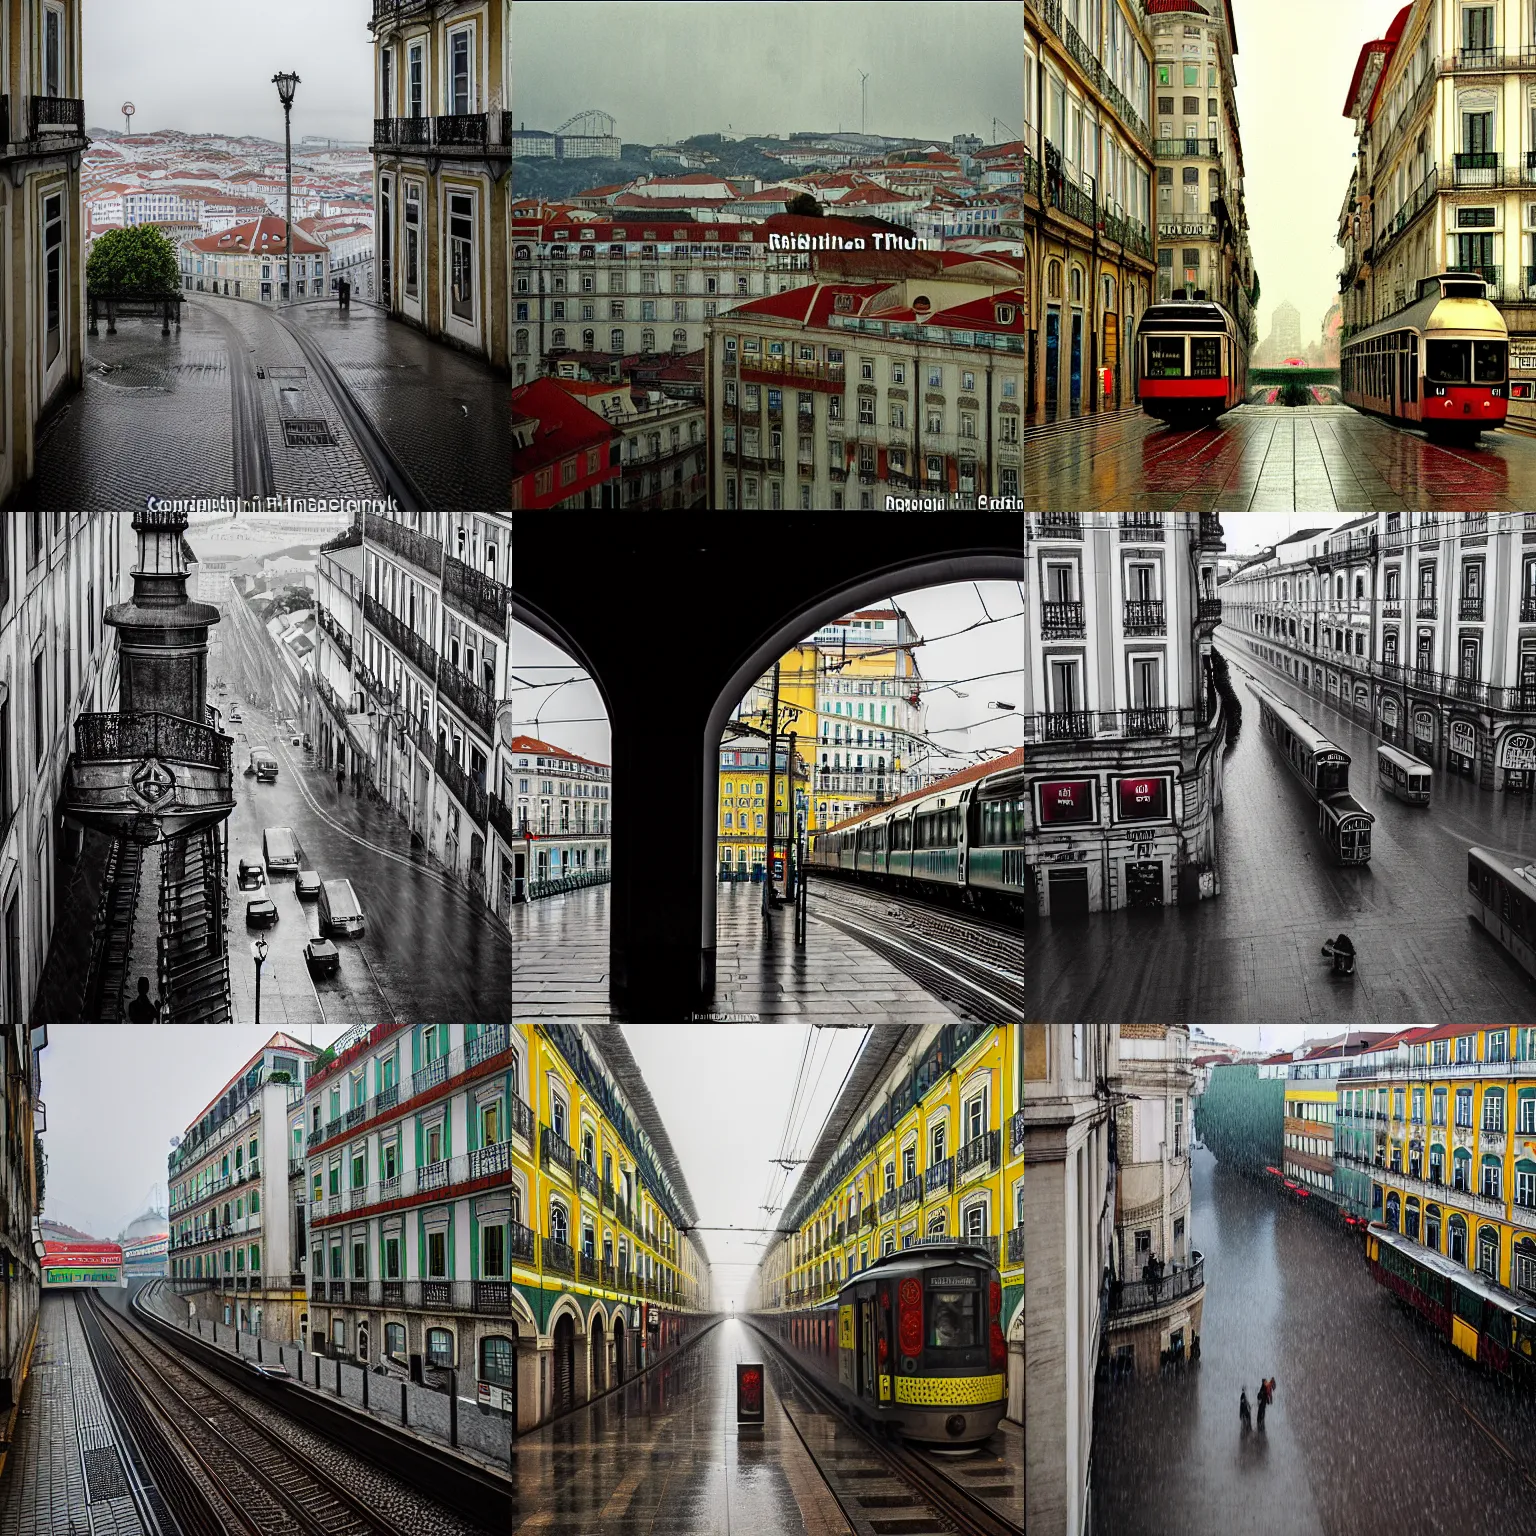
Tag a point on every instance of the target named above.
point(39, 705)
point(461, 248)
point(415, 83)
point(437, 1255)
point(53, 270)
point(53, 51)
point(413, 227)
point(394, 1340)
point(440, 1347)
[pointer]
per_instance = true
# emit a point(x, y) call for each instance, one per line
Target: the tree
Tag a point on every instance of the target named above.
point(138, 259)
point(805, 205)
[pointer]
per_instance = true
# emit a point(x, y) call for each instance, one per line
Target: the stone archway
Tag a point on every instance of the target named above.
point(598, 1343)
point(618, 1351)
point(563, 1385)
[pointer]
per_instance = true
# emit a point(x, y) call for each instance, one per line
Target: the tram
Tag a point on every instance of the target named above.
point(1484, 1323)
point(81, 1265)
point(915, 1341)
point(1403, 775)
point(1344, 823)
point(1191, 361)
point(1502, 898)
point(1441, 362)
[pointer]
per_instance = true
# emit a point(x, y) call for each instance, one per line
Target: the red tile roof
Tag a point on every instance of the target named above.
point(565, 426)
point(538, 748)
point(264, 237)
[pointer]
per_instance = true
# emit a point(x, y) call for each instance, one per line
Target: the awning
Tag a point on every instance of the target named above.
point(360, 734)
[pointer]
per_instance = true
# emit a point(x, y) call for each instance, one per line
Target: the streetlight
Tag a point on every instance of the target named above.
point(259, 952)
point(286, 85)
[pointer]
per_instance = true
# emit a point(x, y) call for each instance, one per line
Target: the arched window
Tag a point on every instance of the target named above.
point(394, 1340)
point(1411, 1220)
point(557, 337)
point(1488, 1252)
point(1394, 1209)
point(680, 337)
point(647, 341)
point(559, 1222)
point(1523, 1267)
point(557, 1117)
point(588, 1147)
point(1053, 279)
point(440, 1347)
point(589, 341)
point(1432, 1227)
point(520, 253)
point(587, 1249)
point(1359, 586)
point(1456, 1239)
point(1076, 284)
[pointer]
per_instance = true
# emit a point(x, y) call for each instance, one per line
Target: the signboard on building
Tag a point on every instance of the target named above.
point(1463, 739)
point(1518, 751)
point(1064, 802)
point(493, 1399)
point(1141, 799)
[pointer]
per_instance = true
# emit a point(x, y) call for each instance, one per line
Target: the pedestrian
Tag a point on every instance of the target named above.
point(341, 779)
point(1263, 1401)
point(1244, 1413)
point(143, 1009)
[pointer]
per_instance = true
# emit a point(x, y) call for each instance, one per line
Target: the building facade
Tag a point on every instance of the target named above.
point(561, 817)
point(237, 1228)
point(442, 159)
point(1069, 1191)
point(1159, 1291)
point(922, 1145)
point(252, 261)
point(901, 385)
point(1202, 215)
point(42, 234)
point(1420, 626)
point(1444, 1128)
point(1444, 109)
point(1122, 719)
point(742, 834)
point(489, 1199)
point(1089, 257)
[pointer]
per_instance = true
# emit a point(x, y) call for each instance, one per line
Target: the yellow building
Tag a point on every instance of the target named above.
point(743, 804)
point(1443, 1119)
point(798, 675)
point(927, 1148)
point(442, 152)
point(1311, 1111)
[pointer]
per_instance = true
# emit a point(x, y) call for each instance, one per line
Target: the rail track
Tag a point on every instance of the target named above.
point(251, 1478)
point(897, 1481)
point(971, 963)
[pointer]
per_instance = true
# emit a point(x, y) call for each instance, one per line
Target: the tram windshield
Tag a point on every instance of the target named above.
point(954, 1317)
point(1332, 776)
point(1354, 839)
point(1205, 357)
point(1165, 357)
point(1490, 361)
point(1447, 362)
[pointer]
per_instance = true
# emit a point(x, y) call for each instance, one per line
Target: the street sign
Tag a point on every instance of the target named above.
point(749, 1393)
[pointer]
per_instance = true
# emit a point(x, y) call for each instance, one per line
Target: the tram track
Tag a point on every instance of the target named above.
point(254, 1477)
point(933, 1492)
point(969, 963)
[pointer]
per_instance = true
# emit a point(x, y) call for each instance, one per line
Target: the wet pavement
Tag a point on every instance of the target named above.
point(430, 951)
point(1251, 955)
point(562, 965)
point(1311, 459)
point(1378, 1426)
point(662, 1455)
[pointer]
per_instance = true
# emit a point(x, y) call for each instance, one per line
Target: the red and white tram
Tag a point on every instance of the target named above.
point(1191, 361)
point(1441, 362)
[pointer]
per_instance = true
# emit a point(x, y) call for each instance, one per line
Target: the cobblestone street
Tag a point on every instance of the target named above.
point(1311, 459)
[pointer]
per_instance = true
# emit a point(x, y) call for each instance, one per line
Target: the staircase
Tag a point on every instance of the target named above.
point(193, 955)
point(108, 967)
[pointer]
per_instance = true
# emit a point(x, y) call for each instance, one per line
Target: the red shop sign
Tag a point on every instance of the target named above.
point(1142, 799)
point(1064, 801)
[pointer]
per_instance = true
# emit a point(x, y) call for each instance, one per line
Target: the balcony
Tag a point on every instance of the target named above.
point(1135, 1296)
point(910, 1192)
point(1187, 149)
point(470, 793)
point(1141, 527)
point(983, 1151)
point(586, 1177)
point(888, 1202)
point(1061, 620)
point(587, 1268)
point(1016, 1132)
point(1144, 616)
point(469, 697)
point(940, 1177)
point(56, 118)
point(1477, 168)
point(555, 1152)
point(478, 597)
point(1208, 611)
point(423, 552)
point(559, 1258)
point(1470, 608)
point(1427, 608)
point(339, 637)
point(412, 646)
point(1067, 725)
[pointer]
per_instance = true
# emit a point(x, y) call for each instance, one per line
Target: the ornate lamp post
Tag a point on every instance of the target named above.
point(286, 85)
point(259, 954)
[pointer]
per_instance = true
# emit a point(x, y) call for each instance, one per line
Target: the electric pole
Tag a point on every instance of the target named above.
point(863, 101)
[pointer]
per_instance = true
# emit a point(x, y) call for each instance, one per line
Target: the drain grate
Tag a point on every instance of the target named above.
point(305, 432)
point(104, 1474)
point(287, 373)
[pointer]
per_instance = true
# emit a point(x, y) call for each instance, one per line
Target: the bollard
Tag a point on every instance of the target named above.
point(402, 1405)
point(338, 1375)
point(258, 1349)
point(453, 1408)
point(365, 1389)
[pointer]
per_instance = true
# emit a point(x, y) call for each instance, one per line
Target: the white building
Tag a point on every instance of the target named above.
point(237, 1224)
point(562, 816)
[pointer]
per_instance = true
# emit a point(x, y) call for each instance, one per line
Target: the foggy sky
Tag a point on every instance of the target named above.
point(1246, 533)
point(117, 1093)
point(574, 719)
point(724, 1092)
point(209, 69)
point(673, 68)
point(1294, 65)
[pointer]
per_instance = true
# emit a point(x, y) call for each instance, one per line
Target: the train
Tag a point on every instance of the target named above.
point(81, 1265)
point(1191, 361)
point(961, 839)
point(1440, 362)
point(1502, 901)
point(1486, 1324)
point(914, 1343)
point(1323, 769)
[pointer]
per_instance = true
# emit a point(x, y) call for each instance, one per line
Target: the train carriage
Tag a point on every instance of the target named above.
point(1191, 361)
point(1323, 769)
point(1502, 900)
point(1403, 775)
point(1486, 1324)
point(1441, 362)
point(914, 1341)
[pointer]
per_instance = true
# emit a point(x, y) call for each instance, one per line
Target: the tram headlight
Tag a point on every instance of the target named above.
point(954, 1425)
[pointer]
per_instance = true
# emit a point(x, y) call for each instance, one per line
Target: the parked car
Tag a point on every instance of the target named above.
point(282, 851)
point(236, 717)
point(252, 876)
point(322, 957)
point(307, 885)
point(264, 766)
point(340, 910)
point(260, 913)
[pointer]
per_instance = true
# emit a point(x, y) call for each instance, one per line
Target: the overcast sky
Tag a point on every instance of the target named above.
point(1248, 532)
point(116, 1094)
point(667, 69)
point(1294, 65)
point(724, 1092)
point(1273, 1037)
point(573, 716)
point(209, 69)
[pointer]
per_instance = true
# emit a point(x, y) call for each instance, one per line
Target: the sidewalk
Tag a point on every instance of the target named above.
point(446, 416)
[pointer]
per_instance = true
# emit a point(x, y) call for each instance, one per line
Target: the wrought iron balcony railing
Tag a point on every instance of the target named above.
point(552, 1150)
point(468, 792)
point(468, 696)
point(1144, 616)
point(422, 655)
point(422, 551)
point(476, 595)
point(1145, 1295)
point(558, 1257)
point(1059, 620)
point(980, 1151)
point(57, 116)
point(110, 737)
